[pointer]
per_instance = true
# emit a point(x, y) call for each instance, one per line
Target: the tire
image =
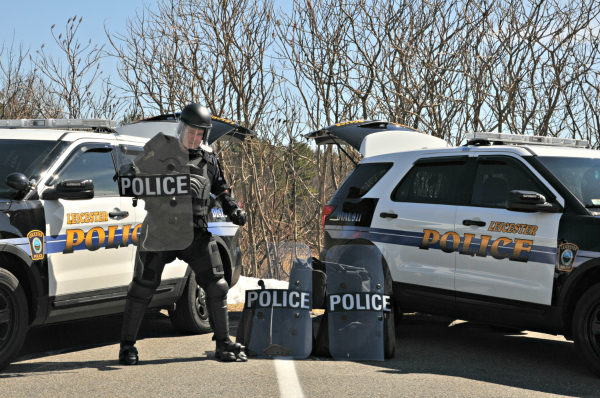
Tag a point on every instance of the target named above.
point(190, 315)
point(14, 317)
point(586, 327)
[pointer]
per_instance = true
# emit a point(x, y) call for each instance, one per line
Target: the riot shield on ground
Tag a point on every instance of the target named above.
point(281, 324)
point(356, 302)
point(161, 178)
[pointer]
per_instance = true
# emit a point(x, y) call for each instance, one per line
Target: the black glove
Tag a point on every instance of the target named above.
point(128, 169)
point(238, 217)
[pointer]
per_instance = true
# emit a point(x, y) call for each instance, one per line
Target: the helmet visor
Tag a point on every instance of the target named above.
point(190, 137)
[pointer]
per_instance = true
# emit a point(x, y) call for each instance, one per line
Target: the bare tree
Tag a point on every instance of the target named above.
point(22, 92)
point(444, 67)
point(72, 76)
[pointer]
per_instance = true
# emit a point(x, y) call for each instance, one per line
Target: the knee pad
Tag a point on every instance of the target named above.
point(140, 291)
point(215, 259)
point(217, 289)
point(148, 268)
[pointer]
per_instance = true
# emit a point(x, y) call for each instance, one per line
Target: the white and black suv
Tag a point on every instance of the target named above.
point(504, 230)
point(67, 245)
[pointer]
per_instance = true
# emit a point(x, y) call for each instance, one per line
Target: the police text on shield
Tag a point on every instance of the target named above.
point(358, 302)
point(154, 185)
point(278, 298)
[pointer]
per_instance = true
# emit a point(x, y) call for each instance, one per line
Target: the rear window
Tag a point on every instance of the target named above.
point(362, 179)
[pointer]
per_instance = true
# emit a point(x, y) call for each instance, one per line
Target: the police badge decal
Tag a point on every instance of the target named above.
point(566, 256)
point(36, 244)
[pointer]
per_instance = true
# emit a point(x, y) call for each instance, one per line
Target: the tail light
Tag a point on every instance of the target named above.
point(327, 210)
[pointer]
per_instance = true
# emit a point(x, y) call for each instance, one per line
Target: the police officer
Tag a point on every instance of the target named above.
point(202, 255)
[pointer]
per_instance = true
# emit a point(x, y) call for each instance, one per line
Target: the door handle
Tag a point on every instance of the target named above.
point(388, 215)
point(117, 214)
point(474, 222)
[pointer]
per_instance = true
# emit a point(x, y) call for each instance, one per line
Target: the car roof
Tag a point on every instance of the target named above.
point(50, 134)
point(68, 136)
point(451, 151)
point(546, 150)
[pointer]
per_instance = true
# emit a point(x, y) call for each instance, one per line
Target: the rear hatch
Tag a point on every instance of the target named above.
point(167, 124)
point(375, 137)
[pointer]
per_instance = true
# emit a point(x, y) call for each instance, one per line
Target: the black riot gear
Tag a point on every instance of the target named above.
point(202, 254)
point(194, 127)
point(238, 217)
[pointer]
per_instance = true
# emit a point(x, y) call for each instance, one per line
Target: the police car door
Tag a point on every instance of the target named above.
point(84, 235)
point(415, 223)
point(504, 253)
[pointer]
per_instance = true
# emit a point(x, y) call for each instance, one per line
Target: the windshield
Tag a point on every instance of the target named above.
point(29, 157)
point(580, 175)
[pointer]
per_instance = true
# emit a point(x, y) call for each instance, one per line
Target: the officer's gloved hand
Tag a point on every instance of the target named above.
point(238, 217)
point(128, 170)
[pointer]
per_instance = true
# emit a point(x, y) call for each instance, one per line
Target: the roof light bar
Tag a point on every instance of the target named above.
point(525, 139)
point(58, 123)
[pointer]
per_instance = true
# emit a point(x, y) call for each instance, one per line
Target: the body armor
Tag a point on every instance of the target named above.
point(200, 184)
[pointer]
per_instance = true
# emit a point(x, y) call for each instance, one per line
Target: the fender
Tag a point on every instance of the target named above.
point(16, 220)
point(570, 286)
point(16, 251)
point(26, 268)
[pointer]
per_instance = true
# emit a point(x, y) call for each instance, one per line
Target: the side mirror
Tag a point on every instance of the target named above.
point(70, 190)
point(530, 201)
point(18, 181)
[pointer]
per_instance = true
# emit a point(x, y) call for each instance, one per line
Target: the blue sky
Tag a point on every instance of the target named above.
point(29, 21)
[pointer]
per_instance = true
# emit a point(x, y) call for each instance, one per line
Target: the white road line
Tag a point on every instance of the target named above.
point(287, 378)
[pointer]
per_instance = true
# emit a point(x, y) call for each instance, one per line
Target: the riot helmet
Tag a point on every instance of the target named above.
point(194, 126)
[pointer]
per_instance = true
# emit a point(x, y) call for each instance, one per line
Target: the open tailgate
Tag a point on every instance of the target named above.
point(375, 137)
point(167, 124)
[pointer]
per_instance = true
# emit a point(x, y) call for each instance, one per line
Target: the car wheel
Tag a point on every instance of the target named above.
point(191, 313)
point(14, 315)
point(586, 327)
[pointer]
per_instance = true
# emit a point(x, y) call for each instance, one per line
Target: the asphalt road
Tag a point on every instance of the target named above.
point(433, 359)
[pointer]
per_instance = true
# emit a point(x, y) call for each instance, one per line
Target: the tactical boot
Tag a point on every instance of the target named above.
point(228, 351)
point(128, 355)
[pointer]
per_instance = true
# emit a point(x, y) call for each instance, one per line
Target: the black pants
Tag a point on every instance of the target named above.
point(149, 266)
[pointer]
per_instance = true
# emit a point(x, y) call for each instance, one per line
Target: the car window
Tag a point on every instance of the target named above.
point(30, 157)
point(435, 182)
point(362, 179)
point(495, 178)
point(580, 175)
point(127, 153)
point(94, 164)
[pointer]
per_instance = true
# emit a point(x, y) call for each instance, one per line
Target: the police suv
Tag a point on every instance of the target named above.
point(504, 230)
point(67, 239)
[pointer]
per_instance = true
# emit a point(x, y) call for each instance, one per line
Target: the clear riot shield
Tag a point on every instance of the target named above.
point(281, 323)
point(161, 178)
point(356, 302)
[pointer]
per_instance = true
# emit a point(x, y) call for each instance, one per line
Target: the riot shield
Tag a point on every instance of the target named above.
point(161, 178)
point(356, 302)
point(281, 323)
